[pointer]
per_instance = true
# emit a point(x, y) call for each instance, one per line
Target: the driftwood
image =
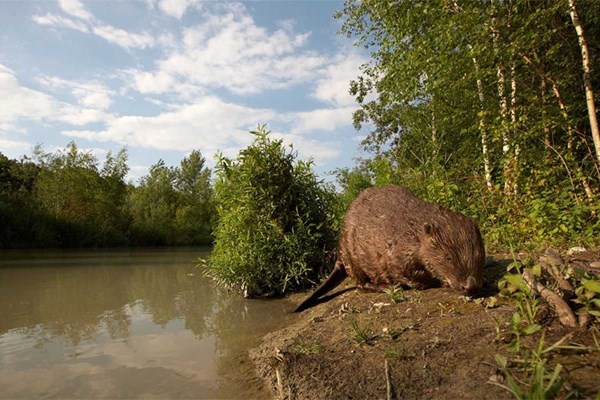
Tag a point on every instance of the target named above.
point(565, 314)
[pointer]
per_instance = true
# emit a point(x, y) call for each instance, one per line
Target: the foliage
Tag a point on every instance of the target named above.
point(67, 199)
point(275, 230)
point(174, 205)
point(542, 384)
point(479, 106)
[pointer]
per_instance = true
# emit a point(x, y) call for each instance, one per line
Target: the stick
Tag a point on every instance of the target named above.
point(387, 381)
point(565, 314)
point(279, 385)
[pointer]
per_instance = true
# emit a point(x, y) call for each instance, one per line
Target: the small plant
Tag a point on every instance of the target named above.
point(302, 347)
point(542, 384)
point(587, 290)
point(399, 354)
point(395, 293)
point(361, 335)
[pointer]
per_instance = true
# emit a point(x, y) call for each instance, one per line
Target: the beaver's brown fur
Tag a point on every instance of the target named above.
point(389, 237)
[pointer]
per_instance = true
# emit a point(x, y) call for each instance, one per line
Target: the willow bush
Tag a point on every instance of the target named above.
point(276, 220)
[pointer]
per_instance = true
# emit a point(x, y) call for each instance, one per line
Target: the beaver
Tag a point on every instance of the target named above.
point(389, 238)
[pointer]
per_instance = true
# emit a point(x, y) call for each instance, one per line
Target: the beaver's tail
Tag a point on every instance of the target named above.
point(333, 280)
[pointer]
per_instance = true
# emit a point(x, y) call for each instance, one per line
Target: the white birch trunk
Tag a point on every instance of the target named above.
point(589, 92)
point(483, 128)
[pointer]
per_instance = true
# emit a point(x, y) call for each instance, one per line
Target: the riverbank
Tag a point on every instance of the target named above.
point(425, 344)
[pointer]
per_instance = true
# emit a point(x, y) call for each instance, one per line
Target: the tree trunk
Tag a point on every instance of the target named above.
point(589, 92)
point(546, 128)
point(514, 121)
point(483, 127)
point(570, 130)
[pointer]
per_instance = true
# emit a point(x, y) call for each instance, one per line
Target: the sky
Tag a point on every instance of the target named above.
point(165, 77)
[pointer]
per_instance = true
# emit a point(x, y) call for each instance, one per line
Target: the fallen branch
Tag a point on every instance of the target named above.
point(565, 314)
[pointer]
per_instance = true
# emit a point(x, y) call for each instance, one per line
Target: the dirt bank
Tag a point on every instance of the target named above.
point(429, 344)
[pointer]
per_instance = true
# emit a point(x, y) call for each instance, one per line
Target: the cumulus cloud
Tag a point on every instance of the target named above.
point(17, 102)
point(323, 119)
point(176, 8)
point(229, 50)
point(208, 124)
point(333, 86)
point(92, 94)
point(21, 103)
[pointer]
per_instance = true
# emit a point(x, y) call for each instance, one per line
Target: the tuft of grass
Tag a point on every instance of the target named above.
point(395, 293)
point(361, 335)
point(533, 362)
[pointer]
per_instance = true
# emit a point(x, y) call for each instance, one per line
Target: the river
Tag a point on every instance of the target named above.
point(125, 324)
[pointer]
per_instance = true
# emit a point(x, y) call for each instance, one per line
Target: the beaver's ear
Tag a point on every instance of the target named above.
point(429, 229)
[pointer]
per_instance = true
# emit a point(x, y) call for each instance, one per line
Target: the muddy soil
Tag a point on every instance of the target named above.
point(429, 344)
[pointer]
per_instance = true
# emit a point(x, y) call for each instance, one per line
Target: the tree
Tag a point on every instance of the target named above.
point(275, 230)
point(153, 205)
point(195, 214)
point(479, 104)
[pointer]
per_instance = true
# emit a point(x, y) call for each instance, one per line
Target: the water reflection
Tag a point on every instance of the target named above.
point(124, 324)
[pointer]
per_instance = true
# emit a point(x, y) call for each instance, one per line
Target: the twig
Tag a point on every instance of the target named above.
point(279, 385)
point(387, 380)
point(565, 314)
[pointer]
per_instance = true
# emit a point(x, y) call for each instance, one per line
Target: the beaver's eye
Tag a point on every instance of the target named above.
point(448, 258)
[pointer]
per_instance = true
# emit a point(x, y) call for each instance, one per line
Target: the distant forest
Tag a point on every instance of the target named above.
point(68, 199)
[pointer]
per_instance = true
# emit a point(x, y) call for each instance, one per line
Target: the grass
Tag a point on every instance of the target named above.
point(540, 380)
point(305, 348)
point(361, 335)
point(395, 293)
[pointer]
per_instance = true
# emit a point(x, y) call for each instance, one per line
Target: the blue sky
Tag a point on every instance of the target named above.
point(165, 77)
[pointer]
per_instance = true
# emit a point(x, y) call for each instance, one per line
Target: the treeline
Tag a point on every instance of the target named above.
point(67, 199)
point(487, 107)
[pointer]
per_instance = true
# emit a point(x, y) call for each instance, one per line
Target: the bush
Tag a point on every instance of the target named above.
point(276, 221)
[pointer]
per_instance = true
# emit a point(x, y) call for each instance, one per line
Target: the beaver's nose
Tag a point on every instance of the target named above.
point(470, 286)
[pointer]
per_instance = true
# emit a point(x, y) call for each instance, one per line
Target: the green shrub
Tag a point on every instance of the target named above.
point(275, 231)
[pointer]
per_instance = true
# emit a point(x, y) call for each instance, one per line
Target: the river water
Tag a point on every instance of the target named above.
point(125, 324)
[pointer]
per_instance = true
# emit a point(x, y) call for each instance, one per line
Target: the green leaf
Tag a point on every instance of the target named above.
point(500, 360)
point(591, 285)
point(531, 329)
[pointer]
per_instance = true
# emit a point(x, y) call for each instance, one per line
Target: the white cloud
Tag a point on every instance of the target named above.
point(75, 8)
point(127, 40)
point(14, 148)
point(21, 103)
point(59, 21)
point(123, 38)
point(92, 94)
point(333, 87)
point(17, 102)
point(6, 127)
point(324, 119)
point(176, 8)
point(229, 50)
point(321, 151)
point(209, 124)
